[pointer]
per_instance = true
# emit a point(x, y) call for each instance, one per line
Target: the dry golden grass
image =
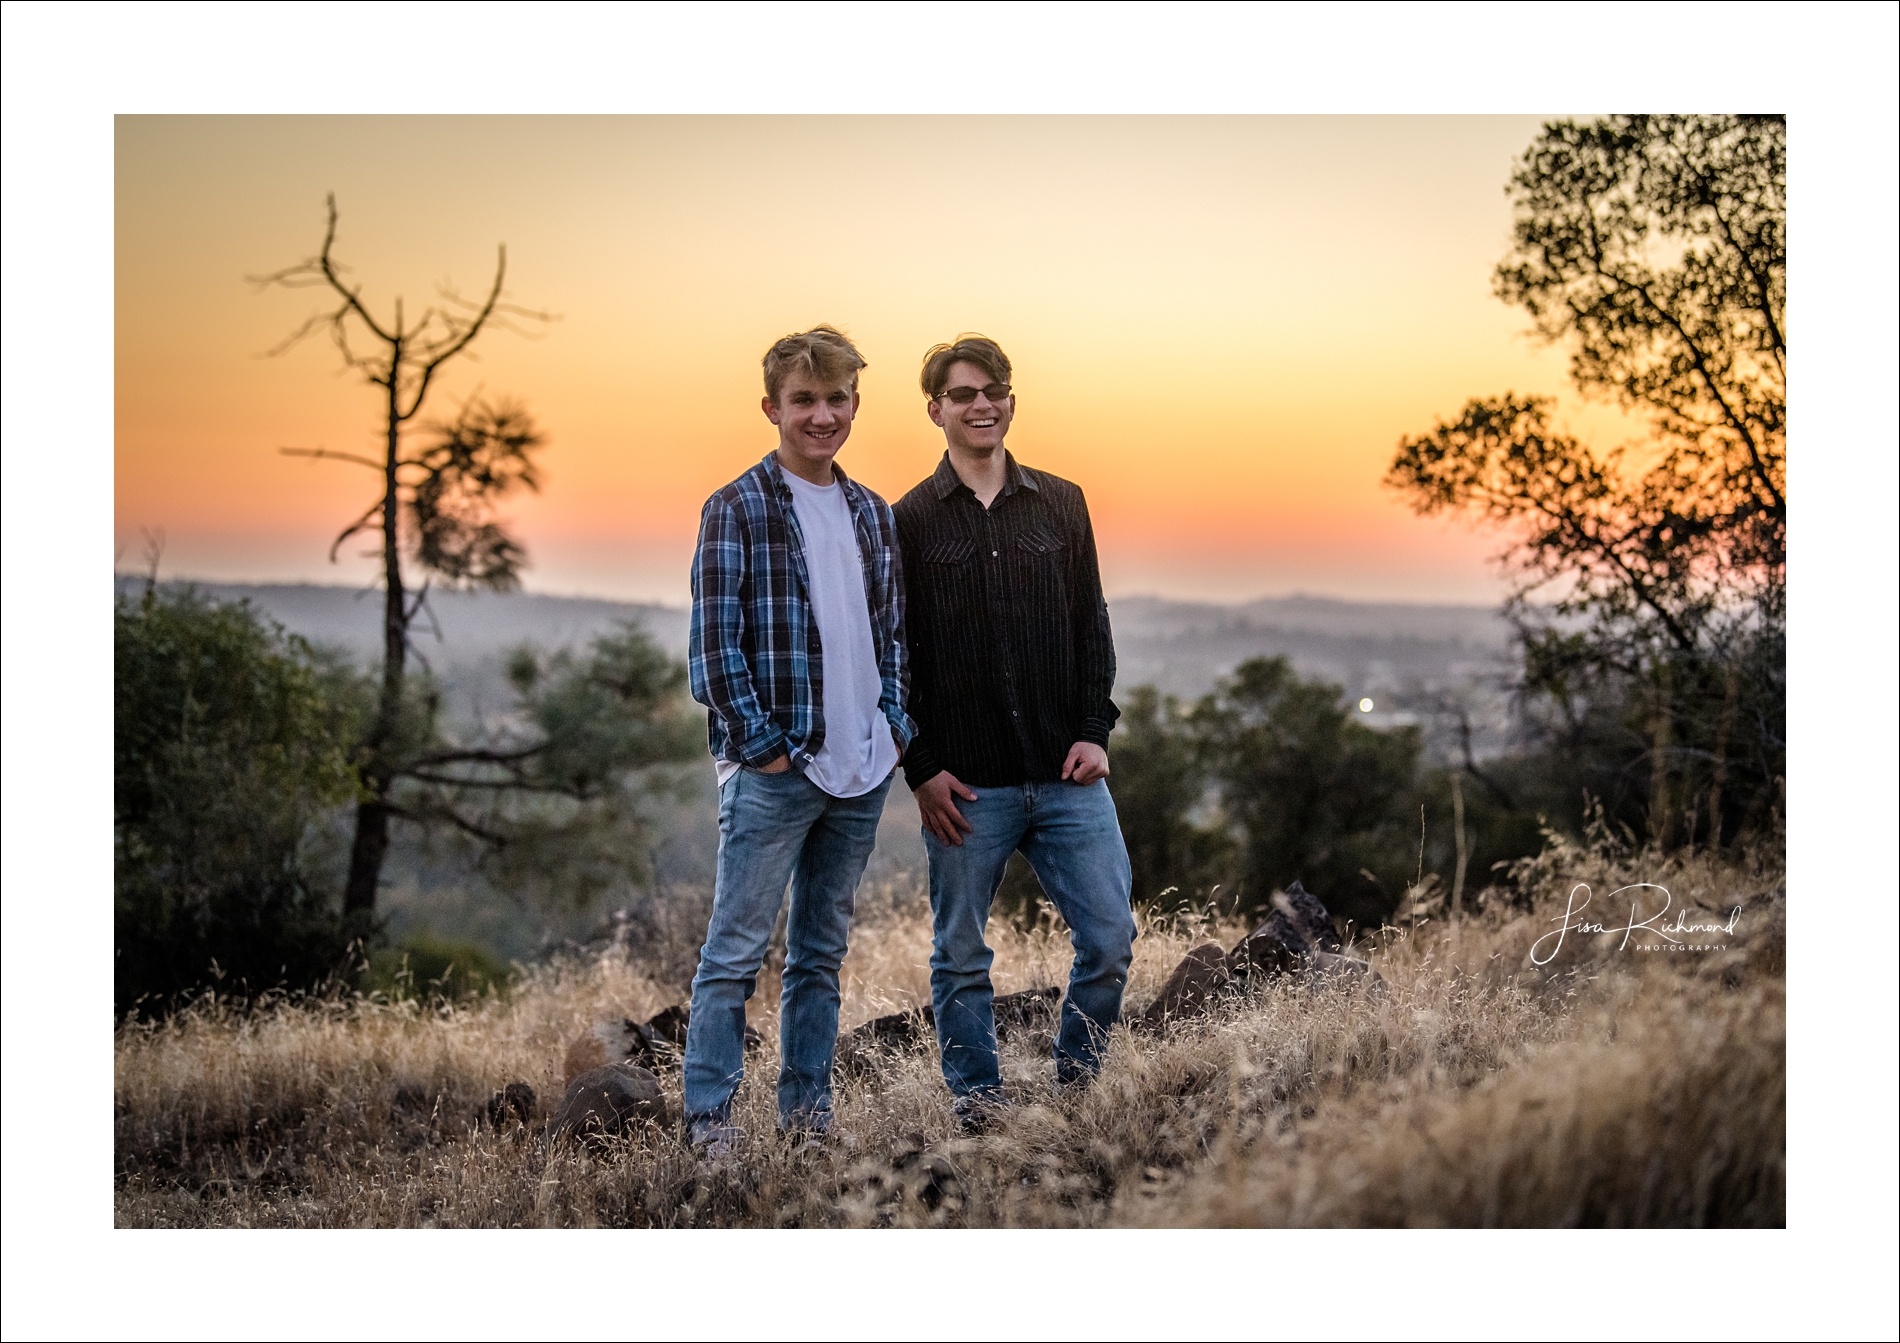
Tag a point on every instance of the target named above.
point(1609, 1088)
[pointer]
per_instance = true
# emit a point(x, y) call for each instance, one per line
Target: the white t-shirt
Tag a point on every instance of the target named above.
point(858, 751)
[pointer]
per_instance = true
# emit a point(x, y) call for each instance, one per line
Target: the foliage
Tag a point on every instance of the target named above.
point(1317, 797)
point(1656, 248)
point(230, 743)
point(1265, 781)
point(479, 458)
point(1159, 782)
point(550, 792)
point(236, 744)
point(425, 967)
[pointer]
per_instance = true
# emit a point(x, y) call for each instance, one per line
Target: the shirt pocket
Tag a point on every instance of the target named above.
point(1039, 575)
point(952, 586)
point(1039, 542)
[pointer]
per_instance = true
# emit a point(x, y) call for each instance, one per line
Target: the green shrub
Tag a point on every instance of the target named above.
point(427, 967)
point(230, 749)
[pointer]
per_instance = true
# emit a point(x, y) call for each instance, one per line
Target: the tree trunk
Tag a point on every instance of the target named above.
point(1661, 738)
point(1458, 836)
point(366, 858)
point(371, 843)
point(1719, 775)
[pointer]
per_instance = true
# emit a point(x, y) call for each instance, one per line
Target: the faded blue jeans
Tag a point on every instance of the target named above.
point(774, 828)
point(1072, 840)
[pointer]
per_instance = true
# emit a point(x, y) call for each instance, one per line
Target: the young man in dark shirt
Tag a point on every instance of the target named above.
point(1011, 668)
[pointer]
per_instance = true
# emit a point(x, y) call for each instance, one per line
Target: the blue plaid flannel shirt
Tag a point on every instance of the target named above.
point(753, 655)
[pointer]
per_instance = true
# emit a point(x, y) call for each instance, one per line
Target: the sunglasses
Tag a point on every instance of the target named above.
point(963, 396)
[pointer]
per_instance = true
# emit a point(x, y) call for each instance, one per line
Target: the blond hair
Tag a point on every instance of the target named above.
point(824, 353)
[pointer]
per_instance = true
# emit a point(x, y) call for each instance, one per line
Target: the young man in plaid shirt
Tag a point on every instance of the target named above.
point(797, 652)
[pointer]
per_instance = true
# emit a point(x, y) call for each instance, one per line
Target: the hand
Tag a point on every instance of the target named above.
point(899, 745)
point(1087, 762)
point(936, 800)
point(778, 764)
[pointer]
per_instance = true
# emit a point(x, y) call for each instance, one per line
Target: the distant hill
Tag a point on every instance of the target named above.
point(1384, 650)
point(1367, 648)
point(473, 624)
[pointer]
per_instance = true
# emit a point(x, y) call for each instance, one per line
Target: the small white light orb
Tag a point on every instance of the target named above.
point(1365, 706)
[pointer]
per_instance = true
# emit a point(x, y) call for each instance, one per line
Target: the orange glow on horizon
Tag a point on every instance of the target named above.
point(1221, 325)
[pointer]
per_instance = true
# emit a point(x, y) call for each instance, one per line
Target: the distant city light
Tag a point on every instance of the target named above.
point(1365, 706)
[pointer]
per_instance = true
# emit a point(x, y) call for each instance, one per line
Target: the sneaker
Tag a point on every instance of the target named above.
point(715, 1141)
point(978, 1112)
point(815, 1123)
point(808, 1134)
point(1074, 1084)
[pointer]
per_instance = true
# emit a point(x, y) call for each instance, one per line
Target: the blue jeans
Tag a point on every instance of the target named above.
point(774, 828)
point(1071, 838)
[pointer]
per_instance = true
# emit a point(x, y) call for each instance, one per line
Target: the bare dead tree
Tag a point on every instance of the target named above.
point(435, 503)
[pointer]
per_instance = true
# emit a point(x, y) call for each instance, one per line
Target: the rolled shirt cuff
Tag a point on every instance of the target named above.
point(1095, 731)
point(902, 728)
point(762, 749)
point(920, 763)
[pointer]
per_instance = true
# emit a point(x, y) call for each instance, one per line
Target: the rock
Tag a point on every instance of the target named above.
point(865, 1047)
point(606, 1042)
point(669, 1026)
point(513, 1104)
point(1297, 928)
point(609, 1102)
point(654, 1044)
point(1032, 1009)
point(1202, 973)
point(1329, 968)
point(1298, 937)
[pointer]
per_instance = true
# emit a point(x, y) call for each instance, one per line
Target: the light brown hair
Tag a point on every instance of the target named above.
point(985, 353)
point(824, 353)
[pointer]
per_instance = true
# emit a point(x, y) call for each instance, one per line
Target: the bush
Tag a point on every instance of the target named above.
point(1266, 781)
point(426, 967)
point(1159, 781)
point(1319, 798)
point(230, 747)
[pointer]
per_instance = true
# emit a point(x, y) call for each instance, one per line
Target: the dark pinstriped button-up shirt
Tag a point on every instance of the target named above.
point(1011, 657)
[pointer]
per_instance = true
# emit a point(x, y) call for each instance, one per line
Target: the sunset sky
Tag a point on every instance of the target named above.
point(1221, 326)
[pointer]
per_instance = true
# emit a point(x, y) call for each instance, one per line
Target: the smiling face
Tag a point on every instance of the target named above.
point(814, 419)
point(979, 427)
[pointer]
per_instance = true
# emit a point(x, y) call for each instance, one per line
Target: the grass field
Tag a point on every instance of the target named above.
point(1613, 1086)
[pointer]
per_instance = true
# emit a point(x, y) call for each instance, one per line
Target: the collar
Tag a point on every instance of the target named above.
point(945, 480)
point(776, 474)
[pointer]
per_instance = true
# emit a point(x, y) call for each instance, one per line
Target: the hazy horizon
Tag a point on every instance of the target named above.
point(122, 573)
